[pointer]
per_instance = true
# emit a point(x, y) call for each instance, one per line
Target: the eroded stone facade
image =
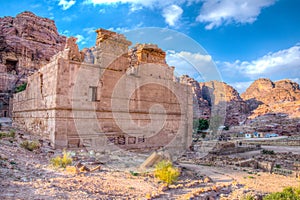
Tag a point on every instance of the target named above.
point(108, 96)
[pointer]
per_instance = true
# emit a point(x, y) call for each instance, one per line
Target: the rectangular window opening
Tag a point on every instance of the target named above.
point(93, 93)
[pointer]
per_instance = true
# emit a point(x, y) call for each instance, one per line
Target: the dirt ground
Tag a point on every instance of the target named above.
point(28, 175)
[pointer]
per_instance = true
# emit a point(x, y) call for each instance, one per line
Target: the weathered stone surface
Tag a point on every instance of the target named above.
point(225, 101)
point(201, 107)
point(264, 91)
point(28, 41)
point(147, 53)
point(275, 106)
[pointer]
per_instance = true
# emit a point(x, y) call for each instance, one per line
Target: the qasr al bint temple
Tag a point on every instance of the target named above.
point(107, 95)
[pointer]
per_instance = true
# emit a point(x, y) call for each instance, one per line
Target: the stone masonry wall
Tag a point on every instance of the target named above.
point(108, 103)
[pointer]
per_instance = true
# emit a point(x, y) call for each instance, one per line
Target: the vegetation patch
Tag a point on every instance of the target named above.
point(21, 88)
point(288, 193)
point(62, 161)
point(268, 152)
point(166, 172)
point(30, 145)
point(5, 135)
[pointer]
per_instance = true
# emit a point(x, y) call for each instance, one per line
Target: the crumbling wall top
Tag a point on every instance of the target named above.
point(147, 53)
point(103, 35)
point(74, 53)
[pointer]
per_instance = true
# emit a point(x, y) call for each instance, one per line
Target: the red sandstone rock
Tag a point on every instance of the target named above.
point(28, 41)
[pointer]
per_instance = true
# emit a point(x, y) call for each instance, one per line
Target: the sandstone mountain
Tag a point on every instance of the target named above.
point(264, 91)
point(201, 106)
point(216, 98)
point(226, 101)
point(264, 96)
point(266, 106)
point(28, 41)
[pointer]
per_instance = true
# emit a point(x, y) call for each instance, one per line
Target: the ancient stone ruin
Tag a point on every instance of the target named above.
point(107, 96)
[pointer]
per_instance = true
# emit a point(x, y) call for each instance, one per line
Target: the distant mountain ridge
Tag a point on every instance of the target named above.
point(265, 106)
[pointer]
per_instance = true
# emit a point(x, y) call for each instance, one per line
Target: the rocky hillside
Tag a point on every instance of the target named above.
point(216, 98)
point(225, 100)
point(28, 42)
point(264, 96)
point(266, 106)
point(264, 91)
point(201, 106)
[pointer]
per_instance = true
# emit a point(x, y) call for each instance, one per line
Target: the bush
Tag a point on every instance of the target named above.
point(166, 172)
point(10, 134)
point(269, 152)
point(30, 145)
point(62, 161)
point(203, 124)
point(21, 88)
point(288, 193)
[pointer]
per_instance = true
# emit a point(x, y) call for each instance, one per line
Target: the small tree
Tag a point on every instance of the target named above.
point(203, 124)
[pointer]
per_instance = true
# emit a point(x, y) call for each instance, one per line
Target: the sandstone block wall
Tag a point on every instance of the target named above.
point(108, 102)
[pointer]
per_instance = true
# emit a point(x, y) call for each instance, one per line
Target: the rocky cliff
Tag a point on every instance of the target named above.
point(201, 106)
point(266, 106)
point(264, 91)
point(28, 42)
point(225, 101)
point(264, 96)
point(216, 98)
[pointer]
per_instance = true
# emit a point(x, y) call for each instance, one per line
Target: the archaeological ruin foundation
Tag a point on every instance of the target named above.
point(108, 95)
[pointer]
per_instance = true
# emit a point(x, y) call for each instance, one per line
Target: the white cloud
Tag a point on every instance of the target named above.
point(284, 62)
point(65, 33)
point(119, 29)
point(213, 12)
point(241, 86)
point(135, 7)
point(125, 29)
point(66, 4)
point(297, 80)
point(80, 39)
point(90, 30)
point(172, 14)
point(102, 11)
point(195, 65)
point(218, 12)
point(170, 8)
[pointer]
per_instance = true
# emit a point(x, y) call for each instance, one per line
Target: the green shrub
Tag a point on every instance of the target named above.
point(133, 173)
point(62, 161)
point(269, 152)
point(10, 134)
point(166, 172)
point(277, 166)
point(30, 145)
point(288, 193)
point(21, 88)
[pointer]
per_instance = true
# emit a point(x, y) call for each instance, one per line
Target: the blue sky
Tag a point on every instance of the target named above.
point(242, 39)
